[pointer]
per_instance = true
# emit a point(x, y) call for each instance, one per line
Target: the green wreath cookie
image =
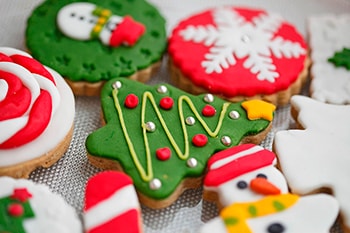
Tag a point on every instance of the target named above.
point(162, 137)
point(91, 42)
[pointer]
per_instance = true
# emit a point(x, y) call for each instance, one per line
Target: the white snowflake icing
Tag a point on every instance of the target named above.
point(233, 37)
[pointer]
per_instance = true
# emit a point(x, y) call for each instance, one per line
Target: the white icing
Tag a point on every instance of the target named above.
point(319, 155)
point(111, 207)
point(329, 34)
point(234, 36)
point(314, 213)
point(4, 87)
point(228, 192)
point(229, 159)
point(55, 132)
point(10, 127)
point(76, 21)
point(52, 213)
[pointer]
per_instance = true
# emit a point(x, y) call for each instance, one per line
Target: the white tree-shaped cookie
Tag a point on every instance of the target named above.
point(318, 156)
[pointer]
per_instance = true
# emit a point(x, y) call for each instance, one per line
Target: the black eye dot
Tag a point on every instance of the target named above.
point(72, 14)
point(260, 175)
point(81, 17)
point(275, 228)
point(242, 184)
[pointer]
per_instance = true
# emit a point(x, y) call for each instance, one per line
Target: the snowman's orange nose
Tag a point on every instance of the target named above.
point(263, 186)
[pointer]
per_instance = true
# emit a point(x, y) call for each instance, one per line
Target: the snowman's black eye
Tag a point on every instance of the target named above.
point(275, 228)
point(81, 17)
point(260, 175)
point(242, 184)
point(72, 14)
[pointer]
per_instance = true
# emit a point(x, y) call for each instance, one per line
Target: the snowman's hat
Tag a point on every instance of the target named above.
point(231, 163)
point(111, 204)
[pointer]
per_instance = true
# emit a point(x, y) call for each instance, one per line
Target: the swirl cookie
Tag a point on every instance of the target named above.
point(330, 54)
point(26, 207)
point(238, 53)
point(162, 137)
point(36, 114)
point(91, 42)
point(315, 158)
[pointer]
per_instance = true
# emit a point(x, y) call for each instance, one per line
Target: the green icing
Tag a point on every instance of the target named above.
point(125, 129)
point(91, 60)
point(10, 223)
point(341, 58)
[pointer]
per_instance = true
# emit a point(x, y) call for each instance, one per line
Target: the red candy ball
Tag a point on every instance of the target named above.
point(166, 103)
point(15, 210)
point(131, 101)
point(200, 140)
point(163, 153)
point(208, 111)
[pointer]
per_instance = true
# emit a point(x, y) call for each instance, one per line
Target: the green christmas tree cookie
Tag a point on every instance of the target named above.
point(162, 137)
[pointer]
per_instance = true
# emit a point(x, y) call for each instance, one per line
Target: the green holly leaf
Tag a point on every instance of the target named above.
point(341, 58)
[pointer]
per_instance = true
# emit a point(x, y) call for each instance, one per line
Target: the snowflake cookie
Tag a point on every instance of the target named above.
point(330, 46)
point(162, 137)
point(317, 157)
point(238, 53)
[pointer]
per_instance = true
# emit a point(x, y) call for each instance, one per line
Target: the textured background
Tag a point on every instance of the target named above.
point(69, 175)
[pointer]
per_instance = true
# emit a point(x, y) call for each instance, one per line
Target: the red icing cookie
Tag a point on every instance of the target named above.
point(111, 204)
point(238, 53)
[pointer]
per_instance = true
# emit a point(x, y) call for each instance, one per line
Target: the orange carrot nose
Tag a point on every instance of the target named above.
point(263, 186)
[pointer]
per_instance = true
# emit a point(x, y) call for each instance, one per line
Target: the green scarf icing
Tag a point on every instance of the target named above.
point(341, 58)
point(91, 60)
point(125, 139)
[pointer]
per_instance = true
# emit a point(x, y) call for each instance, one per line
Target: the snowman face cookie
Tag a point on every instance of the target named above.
point(277, 214)
point(85, 21)
point(244, 173)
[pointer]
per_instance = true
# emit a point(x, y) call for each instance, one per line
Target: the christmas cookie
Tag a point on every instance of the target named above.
point(238, 53)
point(316, 157)
point(111, 204)
point(91, 42)
point(241, 174)
point(36, 114)
point(162, 137)
point(330, 54)
point(26, 207)
point(277, 214)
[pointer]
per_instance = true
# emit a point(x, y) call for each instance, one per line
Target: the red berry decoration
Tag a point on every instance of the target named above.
point(208, 111)
point(15, 210)
point(200, 140)
point(131, 101)
point(166, 103)
point(163, 153)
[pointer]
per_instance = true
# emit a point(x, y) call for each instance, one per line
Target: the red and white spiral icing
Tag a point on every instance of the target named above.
point(28, 99)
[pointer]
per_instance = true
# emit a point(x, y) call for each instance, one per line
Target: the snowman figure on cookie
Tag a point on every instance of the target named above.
point(86, 21)
point(254, 196)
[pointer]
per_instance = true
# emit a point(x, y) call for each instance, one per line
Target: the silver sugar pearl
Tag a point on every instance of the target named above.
point(150, 126)
point(190, 120)
point(162, 89)
point(245, 39)
point(234, 115)
point(117, 85)
point(226, 140)
point(209, 98)
point(155, 184)
point(192, 162)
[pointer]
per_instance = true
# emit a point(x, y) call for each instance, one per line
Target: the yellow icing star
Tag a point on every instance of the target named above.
point(257, 109)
